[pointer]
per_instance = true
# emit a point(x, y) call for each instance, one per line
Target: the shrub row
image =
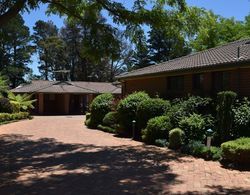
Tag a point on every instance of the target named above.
point(4, 117)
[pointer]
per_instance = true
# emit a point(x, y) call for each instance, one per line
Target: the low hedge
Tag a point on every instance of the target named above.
point(99, 107)
point(197, 149)
point(157, 128)
point(4, 117)
point(176, 138)
point(106, 129)
point(110, 119)
point(237, 151)
point(150, 108)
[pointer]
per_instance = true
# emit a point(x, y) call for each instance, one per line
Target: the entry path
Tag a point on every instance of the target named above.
point(59, 155)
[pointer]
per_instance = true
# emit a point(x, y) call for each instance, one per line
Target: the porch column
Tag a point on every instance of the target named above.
point(66, 103)
point(40, 103)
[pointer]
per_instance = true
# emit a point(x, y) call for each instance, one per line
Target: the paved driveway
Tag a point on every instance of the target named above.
point(59, 155)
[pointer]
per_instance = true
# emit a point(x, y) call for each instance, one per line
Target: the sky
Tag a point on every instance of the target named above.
point(226, 8)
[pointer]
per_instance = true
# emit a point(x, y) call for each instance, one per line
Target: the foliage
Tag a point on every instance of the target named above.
point(4, 117)
point(3, 85)
point(161, 142)
point(5, 106)
point(176, 138)
point(241, 112)
point(110, 119)
point(197, 149)
point(157, 128)
point(195, 126)
point(88, 115)
point(225, 101)
point(183, 107)
point(127, 110)
point(21, 102)
point(106, 129)
point(15, 50)
point(150, 108)
point(99, 107)
point(237, 151)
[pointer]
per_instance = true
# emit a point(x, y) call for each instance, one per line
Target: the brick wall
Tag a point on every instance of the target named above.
point(239, 81)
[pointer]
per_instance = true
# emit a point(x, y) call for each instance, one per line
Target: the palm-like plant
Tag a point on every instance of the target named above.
point(21, 102)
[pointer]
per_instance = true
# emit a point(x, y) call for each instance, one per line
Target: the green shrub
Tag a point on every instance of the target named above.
point(127, 111)
point(237, 151)
point(176, 138)
point(161, 142)
point(157, 128)
point(150, 108)
point(195, 126)
point(99, 107)
point(106, 129)
point(241, 111)
point(5, 106)
point(88, 115)
point(110, 119)
point(182, 107)
point(225, 118)
point(4, 117)
point(197, 149)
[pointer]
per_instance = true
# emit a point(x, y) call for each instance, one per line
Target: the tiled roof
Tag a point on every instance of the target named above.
point(222, 55)
point(67, 87)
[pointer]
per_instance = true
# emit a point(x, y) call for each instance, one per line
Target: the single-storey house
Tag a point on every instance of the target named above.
point(204, 73)
point(65, 97)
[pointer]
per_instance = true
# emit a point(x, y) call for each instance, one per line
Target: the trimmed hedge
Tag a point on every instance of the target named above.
point(157, 128)
point(197, 149)
point(99, 107)
point(176, 138)
point(4, 117)
point(150, 108)
point(237, 151)
point(110, 119)
point(127, 111)
point(5, 106)
point(106, 129)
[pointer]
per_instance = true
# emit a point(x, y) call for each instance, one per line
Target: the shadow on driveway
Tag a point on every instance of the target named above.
point(49, 167)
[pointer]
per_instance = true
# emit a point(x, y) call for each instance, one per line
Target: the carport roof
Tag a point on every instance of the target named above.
point(42, 86)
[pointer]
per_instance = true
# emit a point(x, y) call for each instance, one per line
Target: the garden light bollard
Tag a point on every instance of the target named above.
point(209, 137)
point(133, 128)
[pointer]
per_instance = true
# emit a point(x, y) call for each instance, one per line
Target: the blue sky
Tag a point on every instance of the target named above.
point(226, 8)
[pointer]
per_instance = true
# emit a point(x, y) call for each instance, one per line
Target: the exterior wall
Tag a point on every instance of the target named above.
point(153, 86)
point(239, 81)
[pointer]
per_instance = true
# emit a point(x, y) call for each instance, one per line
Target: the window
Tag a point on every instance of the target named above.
point(176, 83)
point(198, 81)
point(221, 81)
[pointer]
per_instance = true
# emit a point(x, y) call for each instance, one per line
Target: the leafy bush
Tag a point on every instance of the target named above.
point(106, 129)
point(88, 115)
point(176, 138)
point(184, 107)
point(127, 111)
point(157, 128)
point(161, 142)
point(5, 105)
point(225, 101)
point(195, 126)
point(4, 117)
point(237, 151)
point(150, 108)
point(110, 119)
point(241, 113)
point(99, 107)
point(197, 149)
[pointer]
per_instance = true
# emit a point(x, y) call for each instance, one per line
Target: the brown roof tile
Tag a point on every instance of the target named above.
point(67, 87)
point(221, 55)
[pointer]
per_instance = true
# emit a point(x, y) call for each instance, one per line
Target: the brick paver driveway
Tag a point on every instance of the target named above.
point(59, 155)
